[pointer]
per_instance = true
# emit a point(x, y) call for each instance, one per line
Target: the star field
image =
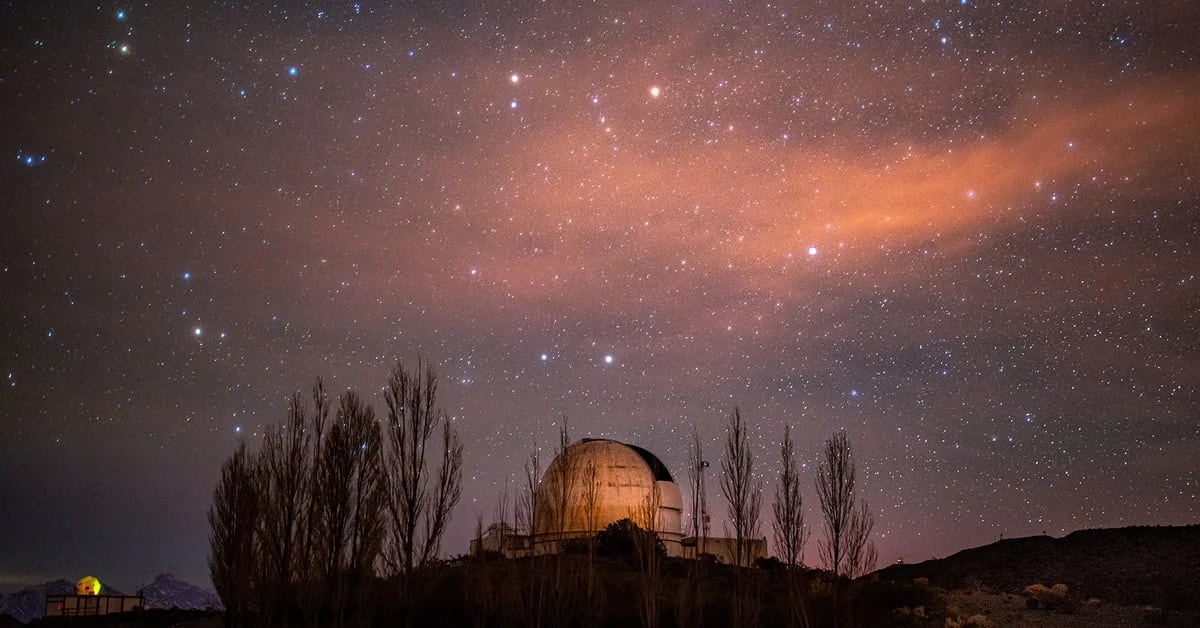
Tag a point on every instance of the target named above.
point(965, 232)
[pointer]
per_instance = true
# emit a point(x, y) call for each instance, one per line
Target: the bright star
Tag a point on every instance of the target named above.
point(187, 276)
point(545, 357)
point(812, 250)
point(513, 104)
point(655, 91)
point(293, 71)
point(121, 15)
point(516, 78)
point(608, 359)
point(196, 331)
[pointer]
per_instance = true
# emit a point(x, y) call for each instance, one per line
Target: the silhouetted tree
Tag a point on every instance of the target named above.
point(690, 605)
point(233, 519)
point(861, 555)
point(835, 491)
point(351, 494)
point(846, 549)
point(286, 459)
point(742, 491)
point(790, 532)
point(555, 504)
point(420, 498)
point(650, 553)
point(312, 524)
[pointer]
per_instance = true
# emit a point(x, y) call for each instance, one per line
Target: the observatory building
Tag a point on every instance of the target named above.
point(592, 483)
point(595, 482)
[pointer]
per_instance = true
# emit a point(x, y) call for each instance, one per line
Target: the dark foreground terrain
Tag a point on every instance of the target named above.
point(1116, 577)
point(1155, 566)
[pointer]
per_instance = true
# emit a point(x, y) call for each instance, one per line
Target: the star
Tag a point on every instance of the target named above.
point(655, 91)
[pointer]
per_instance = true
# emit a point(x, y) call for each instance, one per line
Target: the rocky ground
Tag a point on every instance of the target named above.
point(979, 609)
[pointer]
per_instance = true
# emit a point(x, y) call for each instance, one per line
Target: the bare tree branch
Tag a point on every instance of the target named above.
point(742, 491)
point(419, 505)
point(835, 491)
point(233, 520)
point(790, 532)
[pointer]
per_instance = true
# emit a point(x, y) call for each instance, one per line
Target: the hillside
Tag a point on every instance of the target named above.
point(1159, 566)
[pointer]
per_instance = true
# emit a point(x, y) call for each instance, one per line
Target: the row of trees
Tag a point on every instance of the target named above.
point(846, 549)
point(322, 506)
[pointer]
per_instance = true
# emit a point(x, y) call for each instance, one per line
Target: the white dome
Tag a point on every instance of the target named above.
point(606, 481)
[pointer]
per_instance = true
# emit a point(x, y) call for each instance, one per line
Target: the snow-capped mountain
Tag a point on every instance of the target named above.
point(29, 603)
point(167, 591)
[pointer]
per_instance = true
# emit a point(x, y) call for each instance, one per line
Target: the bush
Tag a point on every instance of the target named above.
point(620, 539)
point(1053, 598)
point(768, 563)
point(879, 599)
point(578, 547)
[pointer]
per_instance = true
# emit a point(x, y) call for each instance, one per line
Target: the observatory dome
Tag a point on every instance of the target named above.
point(87, 585)
point(595, 482)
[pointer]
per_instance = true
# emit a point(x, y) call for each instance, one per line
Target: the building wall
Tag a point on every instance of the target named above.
point(723, 549)
point(78, 605)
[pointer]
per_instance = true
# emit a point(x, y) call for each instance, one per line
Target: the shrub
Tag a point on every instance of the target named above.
point(580, 546)
point(620, 537)
point(768, 563)
point(1053, 598)
point(921, 582)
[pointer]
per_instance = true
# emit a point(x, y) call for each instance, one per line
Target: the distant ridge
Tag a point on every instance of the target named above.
point(165, 591)
point(29, 603)
point(1159, 566)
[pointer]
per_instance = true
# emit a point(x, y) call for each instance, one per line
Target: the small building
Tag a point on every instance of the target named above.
point(501, 538)
point(723, 550)
point(88, 600)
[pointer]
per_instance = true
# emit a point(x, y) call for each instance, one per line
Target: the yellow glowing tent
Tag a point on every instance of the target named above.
point(89, 585)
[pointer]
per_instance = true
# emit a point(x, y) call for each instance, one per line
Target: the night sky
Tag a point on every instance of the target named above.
point(966, 232)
